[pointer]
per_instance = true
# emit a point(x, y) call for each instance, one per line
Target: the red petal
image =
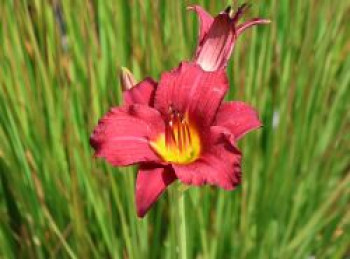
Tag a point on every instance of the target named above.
point(205, 20)
point(220, 163)
point(217, 44)
point(238, 117)
point(151, 182)
point(141, 93)
point(190, 89)
point(241, 28)
point(122, 135)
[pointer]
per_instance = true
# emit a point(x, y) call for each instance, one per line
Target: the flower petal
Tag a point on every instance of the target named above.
point(151, 182)
point(205, 20)
point(238, 117)
point(141, 93)
point(220, 163)
point(191, 89)
point(256, 21)
point(122, 135)
point(218, 43)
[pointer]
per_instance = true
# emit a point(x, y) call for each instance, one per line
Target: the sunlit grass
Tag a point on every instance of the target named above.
point(59, 63)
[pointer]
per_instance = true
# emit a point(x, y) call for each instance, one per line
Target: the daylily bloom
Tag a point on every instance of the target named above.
point(180, 128)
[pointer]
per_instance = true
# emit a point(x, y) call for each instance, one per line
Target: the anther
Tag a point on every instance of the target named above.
point(170, 108)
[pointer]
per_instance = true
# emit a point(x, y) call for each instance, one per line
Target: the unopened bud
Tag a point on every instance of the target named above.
point(127, 79)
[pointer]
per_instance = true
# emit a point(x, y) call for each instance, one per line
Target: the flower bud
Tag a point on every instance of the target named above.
point(127, 79)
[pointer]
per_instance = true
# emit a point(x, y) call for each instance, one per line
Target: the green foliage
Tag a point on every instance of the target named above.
point(57, 79)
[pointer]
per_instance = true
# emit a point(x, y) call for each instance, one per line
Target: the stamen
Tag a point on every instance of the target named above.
point(170, 109)
point(184, 134)
point(170, 139)
point(188, 134)
point(180, 142)
point(167, 135)
point(172, 135)
point(180, 138)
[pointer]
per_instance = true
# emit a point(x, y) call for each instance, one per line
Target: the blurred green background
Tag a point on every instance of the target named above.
point(59, 63)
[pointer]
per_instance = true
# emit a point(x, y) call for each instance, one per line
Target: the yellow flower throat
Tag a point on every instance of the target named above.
point(180, 143)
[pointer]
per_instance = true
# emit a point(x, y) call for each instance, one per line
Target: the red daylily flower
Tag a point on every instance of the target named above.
point(180, 128)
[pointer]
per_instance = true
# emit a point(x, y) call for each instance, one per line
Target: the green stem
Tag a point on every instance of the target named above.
point(182, 225)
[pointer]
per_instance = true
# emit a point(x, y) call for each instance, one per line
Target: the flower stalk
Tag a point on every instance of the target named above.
point(182, 224)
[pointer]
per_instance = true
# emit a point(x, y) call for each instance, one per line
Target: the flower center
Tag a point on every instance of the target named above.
point(180, 143)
